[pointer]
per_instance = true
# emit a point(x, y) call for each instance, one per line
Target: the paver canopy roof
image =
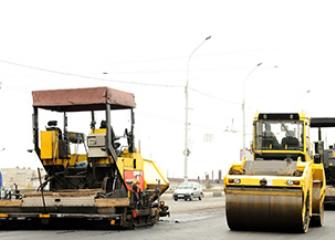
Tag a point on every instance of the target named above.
point(83, 99)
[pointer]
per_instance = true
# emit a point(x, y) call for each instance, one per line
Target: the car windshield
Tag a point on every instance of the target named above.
point(279, 135)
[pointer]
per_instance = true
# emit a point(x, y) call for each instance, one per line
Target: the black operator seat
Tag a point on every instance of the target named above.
point(268, 141)
point(290, 141)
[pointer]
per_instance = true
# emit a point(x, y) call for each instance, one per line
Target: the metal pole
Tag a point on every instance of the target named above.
point(42, 189)
point(243, 106)
point(186, 127)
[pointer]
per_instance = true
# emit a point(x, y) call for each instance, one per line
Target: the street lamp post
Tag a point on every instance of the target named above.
point(243, 105)
point(186, 127)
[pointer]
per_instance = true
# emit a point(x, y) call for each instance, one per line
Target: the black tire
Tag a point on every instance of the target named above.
point(307, 218)
point(317, 221)
point(200, 198)
point(176, 199)
point(318, 207)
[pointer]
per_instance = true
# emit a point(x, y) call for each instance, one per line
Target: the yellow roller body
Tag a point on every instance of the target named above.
point(282, 188)
point(266, 209)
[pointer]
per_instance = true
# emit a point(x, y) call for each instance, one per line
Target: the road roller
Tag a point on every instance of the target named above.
point(327, 156)
point(283, 187)
point(96, 175)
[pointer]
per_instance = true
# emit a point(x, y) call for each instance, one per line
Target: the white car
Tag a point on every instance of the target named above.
point(188, 191)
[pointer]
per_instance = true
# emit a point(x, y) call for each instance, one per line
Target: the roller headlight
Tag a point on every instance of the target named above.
point(237, 180)
point(293, 182)
point(289, 182)
point(234, 180)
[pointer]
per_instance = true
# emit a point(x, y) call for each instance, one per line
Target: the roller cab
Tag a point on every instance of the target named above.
point(282, 189)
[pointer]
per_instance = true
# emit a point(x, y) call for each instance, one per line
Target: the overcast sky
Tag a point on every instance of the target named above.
point(143, 44)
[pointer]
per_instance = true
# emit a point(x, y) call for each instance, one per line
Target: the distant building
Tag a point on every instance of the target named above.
point(24, 178)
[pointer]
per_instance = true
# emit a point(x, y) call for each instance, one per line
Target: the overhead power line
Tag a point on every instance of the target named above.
point(36, 68)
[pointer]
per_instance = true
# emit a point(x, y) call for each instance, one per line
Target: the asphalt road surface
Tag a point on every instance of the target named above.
point(189, 220)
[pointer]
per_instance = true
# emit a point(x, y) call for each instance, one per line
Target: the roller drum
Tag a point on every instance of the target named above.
point(266, 209)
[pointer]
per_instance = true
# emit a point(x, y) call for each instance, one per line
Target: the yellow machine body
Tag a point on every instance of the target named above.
point(152, 175)
point(281, 189)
